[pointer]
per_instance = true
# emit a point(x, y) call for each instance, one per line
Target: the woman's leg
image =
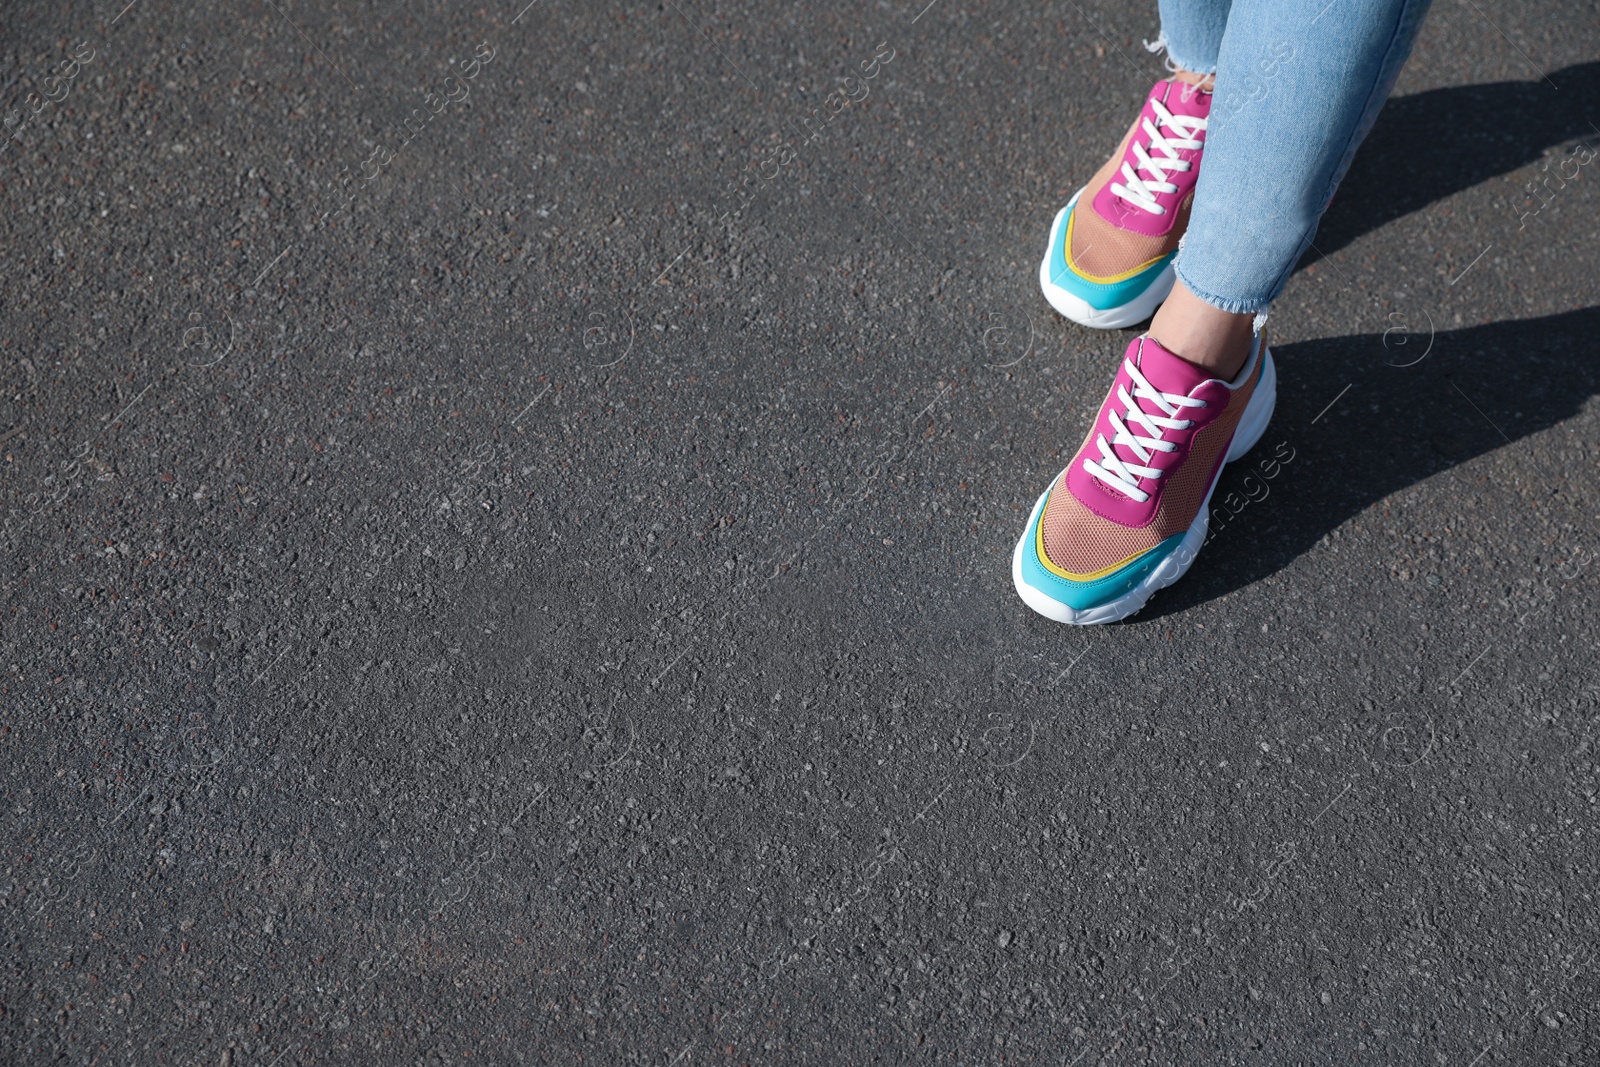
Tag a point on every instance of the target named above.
point(1191, 33)
point(1298, 87)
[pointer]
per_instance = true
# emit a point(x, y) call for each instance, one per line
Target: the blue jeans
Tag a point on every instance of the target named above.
point(1299, 83)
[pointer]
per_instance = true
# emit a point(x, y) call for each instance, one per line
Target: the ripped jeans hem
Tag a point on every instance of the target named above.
point(1260, 308)
point(1175, 62)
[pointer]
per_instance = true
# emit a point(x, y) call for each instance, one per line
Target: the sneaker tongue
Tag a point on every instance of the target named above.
point(1165, 371)
point(1182, 99)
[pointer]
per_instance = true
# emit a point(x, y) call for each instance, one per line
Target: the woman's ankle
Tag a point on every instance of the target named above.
point(1204, 82)
point(1206, 336)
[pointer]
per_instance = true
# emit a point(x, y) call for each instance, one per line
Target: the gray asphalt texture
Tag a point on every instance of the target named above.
point(493, 590)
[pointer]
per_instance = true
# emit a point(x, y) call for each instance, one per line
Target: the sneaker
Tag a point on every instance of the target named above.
point(1130, 511)
point(1109, 263)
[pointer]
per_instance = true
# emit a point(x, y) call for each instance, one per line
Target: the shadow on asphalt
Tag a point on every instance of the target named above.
point(1428, 146)
point(1476, 390)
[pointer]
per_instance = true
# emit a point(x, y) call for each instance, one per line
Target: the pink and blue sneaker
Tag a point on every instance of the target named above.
point(1109, 263)
point(1130, 511)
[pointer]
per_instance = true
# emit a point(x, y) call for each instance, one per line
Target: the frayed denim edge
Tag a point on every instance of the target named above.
point(1259, 308)
point(1171, 61)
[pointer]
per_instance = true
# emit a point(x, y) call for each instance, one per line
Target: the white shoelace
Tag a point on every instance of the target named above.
point(1140, 192)
point(1124, 477)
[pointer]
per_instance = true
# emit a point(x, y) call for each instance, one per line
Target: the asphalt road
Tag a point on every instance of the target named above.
point(482, 585)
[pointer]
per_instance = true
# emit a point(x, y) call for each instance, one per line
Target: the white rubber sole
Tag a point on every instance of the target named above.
point(1252, 424)
point(1079, 310)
